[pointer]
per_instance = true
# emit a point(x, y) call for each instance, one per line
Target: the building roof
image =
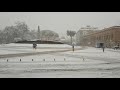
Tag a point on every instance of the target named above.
point(88, 27)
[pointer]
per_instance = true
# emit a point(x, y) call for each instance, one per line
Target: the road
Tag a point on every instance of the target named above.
point(37, 53)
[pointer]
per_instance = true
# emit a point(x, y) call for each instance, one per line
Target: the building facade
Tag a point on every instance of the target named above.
point(109, 36)
point(84, 31)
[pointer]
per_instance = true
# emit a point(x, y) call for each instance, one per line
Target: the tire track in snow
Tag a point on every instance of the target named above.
point(36, 53)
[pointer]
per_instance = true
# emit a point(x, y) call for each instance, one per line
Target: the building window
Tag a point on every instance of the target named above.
point(111, 36)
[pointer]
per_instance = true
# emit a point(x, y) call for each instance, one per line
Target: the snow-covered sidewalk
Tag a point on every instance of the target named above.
point(85, 63)
point(97, 54)
point(27, 48)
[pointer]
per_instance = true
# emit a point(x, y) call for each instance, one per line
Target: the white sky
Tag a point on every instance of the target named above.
point(60, 22)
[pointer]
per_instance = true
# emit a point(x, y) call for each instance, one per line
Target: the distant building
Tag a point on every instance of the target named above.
point(83, 32)
point(108, 36)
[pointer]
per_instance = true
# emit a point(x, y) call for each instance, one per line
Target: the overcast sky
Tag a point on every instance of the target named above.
point(60, 22)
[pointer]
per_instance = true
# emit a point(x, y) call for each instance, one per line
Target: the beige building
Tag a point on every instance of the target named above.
point(83, 32)
point(109, 36)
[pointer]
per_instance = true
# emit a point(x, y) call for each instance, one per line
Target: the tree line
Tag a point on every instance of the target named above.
point(9, 33)
point(21, 31)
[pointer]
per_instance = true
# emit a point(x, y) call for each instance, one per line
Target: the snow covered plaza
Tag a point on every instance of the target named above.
point(59, 44)
point(58, 61)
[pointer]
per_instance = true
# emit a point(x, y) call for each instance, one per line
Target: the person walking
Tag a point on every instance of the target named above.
point(103, 49)
point(118, 46)
point(73, 47)
point(34, 46)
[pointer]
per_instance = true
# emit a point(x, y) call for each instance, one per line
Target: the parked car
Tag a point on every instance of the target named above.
point(116, 47)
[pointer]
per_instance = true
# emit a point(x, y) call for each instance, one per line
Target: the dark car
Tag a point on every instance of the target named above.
point(116, 47)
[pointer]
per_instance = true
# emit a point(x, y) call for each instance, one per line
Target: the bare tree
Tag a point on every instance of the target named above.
point(22, 28)
point(10, 33)
point(71, 34)
point(33, 35)
point(1, 37)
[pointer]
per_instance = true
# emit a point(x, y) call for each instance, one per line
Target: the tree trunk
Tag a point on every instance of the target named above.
point(71, 40)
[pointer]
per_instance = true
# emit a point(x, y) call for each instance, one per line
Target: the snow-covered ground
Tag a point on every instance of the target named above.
point(38, 45)
point(27, 48)
point(109, 55)
point(84, 63)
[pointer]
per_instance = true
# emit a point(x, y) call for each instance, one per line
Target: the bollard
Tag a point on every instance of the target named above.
point(20, 60)
point(32, 59)
point(7, 60)
point(43, 59)
point(83, 59)
point(64, 59)
point(54, 59)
